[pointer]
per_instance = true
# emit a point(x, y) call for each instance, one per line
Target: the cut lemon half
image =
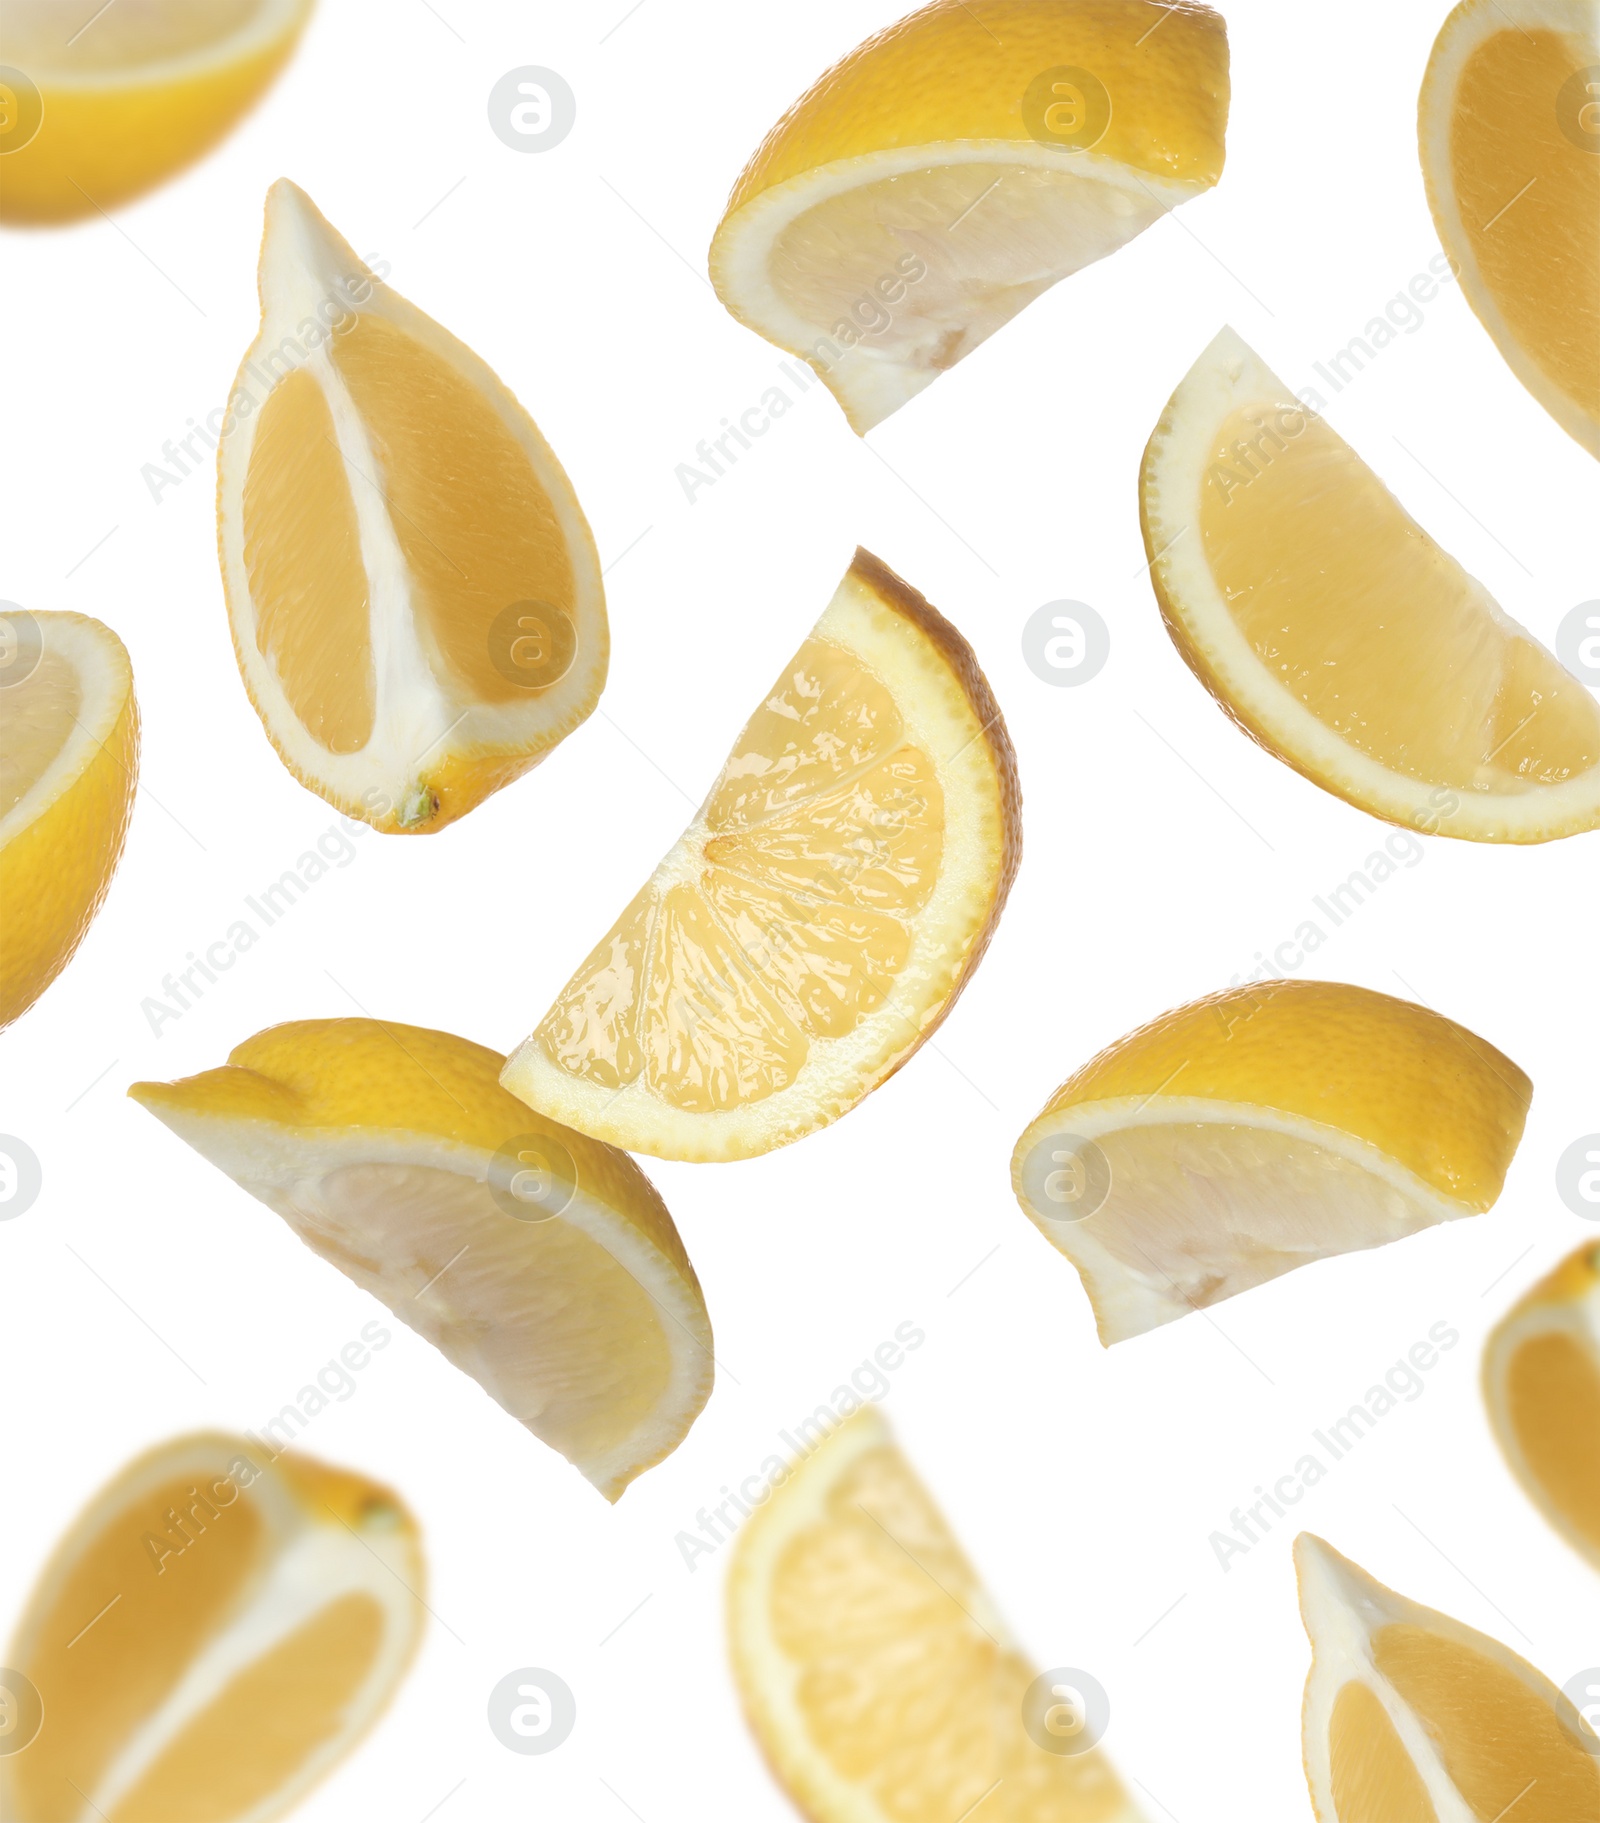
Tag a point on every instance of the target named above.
point(1252, 1132)
point(956, 166)
point(1411, 1717)
point(1331, 627)
point(818, 918)
point(539, 1261)
point(1541, 1381)
point(414, 594)
point(96, 107)
point(876, 1674)
point(69, 758)
point(216, 1632)
point(1509, 126)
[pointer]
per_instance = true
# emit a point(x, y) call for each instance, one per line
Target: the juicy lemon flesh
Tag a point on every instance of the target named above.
point(992, 237)
point(40, 715)
point(527, 1305)
point(1530, 201)
point(1553, 1391)
point(100, 1689)
point(1502, 1746)
point(1374, 1778)
point(270, 1720)
point(901, 1692)
point(1374, 628)
point(127, 35)
point(823, 837)
point(302, 549)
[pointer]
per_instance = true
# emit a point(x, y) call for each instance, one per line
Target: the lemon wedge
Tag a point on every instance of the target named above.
point(96, 107)
point(876, 1674)
point(540, 1262)
point(1509, 128)
point(1411, 1717)
point(818, 918)
point(1332, 628)
point(215, 1633)
point(1252, 1132)
point(413, 590)
point(956, 166)
point(69, 757)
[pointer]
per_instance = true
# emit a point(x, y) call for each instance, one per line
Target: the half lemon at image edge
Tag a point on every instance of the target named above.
point(953, 168)
point(1332, 628)
point(413, 591)
point(215, 1632)
point(820, 915)
point(540, 1262)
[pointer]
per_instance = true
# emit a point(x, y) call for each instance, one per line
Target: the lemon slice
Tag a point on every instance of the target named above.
point(97, 107)
point(1252, 1132)
point(69, 756)
point(1411, 1717)
point(214, 1633)
point(876, 1674)
point(820, 915)
point(414, 594)
point(1333, 629)
point(1509, 125)
point(1541, 1380)
point(956, 166)
point(541, 1263)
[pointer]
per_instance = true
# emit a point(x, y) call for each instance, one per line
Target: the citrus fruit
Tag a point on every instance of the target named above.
point(879, 1680)
point(1259, 1129)
point(539, 1261)
point(819, 916)
point(69, 757)
point(96, 107)
point(216, 1632)
point(1509, 127)
point(1331, 627)
point(414, 594)
point(956, 166)
point(1410, 1717)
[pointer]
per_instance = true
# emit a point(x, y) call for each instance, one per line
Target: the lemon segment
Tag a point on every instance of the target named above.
point(540, 1262)
point(1509, 130)
point(413, 591)
point(1411, 1717)
point(1257, 1130)
point(877, 1677)
point(956, 166)
point(1334, 630)
point(818, 918)
point(212, 1636)
point(113, 104)
point(69, 759)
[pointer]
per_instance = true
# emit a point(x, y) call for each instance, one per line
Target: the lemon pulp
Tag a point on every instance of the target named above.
point(40, 715)
point(1374, 1778)
point(1554, 1392)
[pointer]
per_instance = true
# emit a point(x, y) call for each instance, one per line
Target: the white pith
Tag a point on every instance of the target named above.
point(1229, 376)
point(273, 21)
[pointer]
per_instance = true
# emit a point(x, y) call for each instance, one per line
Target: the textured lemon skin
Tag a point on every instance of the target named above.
point(55, 872)
point(103, 141)
point(959, 69)
point(1425, 1091)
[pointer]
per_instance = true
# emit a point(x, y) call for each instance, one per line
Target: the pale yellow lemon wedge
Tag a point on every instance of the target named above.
point(1333, 629)
point(98, 106)
point(1257, 1130)
point(956, 166)
point(818, 918)
point(1410, 1717)
point(69, 758)
point(1509, 127)
point(1541, 1381)
point(540, 1262)
point(879, 1680)
point(212, 1636)
point(412, 587)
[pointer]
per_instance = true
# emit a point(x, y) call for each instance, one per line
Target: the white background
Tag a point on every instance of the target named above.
point(1162, 851)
